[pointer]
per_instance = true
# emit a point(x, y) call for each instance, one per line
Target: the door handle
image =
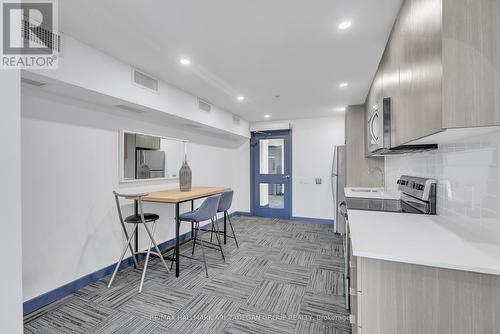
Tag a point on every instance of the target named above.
point(286, 176)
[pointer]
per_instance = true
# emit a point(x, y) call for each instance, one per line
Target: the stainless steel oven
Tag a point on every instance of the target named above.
point(418, 196)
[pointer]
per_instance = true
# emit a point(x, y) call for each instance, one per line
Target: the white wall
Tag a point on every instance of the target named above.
point(69, 168)
point(11, 320)
point(83, 66)
point(313, 141)
point(468, 171)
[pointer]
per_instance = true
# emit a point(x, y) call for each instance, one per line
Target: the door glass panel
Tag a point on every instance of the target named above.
point(272, 156)
point(272, 195)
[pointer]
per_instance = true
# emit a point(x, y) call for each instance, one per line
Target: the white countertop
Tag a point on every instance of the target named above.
point(426, 240)
point(376, 193)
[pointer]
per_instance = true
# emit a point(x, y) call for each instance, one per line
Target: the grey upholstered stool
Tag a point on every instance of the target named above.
point(224, 204)
point(141, 218)
point(206, 211)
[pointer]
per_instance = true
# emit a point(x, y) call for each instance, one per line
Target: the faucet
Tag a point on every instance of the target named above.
point(382, 175)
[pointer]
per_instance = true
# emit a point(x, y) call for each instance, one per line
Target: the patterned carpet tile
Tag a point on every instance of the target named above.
point(328, 262)
point(256, 250)
point(157, 301)
point(306, 236)
point(248, 321)
point(277, 298)
point(288, 273)
point(327, 282)
point(204, 314)
point(206, 306)
point(75, 316)
point(297, 257)
point(311, 327)
point(192, 277)
point(326, 308)
point(285, 277)
point(299, 245)
point(232, 286)
point(124, 323)
point(250, 266)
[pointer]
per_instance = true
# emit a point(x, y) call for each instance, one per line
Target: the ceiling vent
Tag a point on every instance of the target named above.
point(236, 120)
point(204, 105)
point(32, 82)
point(192, 126)
point(144, 80)
point(130, 108)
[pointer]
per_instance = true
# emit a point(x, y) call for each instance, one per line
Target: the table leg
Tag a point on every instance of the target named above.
point(177, 222)
point(192, 224)
point(136, 237)
point(225, 219)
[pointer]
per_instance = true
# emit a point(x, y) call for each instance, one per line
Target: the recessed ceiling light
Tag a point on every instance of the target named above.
point(185, 61)
point(240, 98)
point(340, 109)
point(343, 84)
point(267, 116)
point(344, 25)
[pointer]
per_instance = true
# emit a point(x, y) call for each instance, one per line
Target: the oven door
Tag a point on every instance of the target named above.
point(411, 204)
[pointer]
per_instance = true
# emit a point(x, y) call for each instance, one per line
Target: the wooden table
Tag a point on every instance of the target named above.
point(176, 197)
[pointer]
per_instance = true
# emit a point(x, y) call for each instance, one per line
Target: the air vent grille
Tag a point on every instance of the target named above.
point(192, 126)
point(236, 120)
point(144, 80)
point(204, 105)
point(32, 82)
point(130, 108)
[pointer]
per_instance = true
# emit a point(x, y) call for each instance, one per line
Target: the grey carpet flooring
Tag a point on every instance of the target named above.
point(286, 277)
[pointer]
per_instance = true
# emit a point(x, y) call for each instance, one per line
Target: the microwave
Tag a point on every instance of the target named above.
point(378, 134)
point(379, 127)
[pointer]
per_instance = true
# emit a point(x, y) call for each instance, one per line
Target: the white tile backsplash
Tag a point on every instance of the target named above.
point(468, 174)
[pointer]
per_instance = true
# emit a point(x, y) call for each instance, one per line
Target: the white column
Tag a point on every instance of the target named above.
point(11, 316)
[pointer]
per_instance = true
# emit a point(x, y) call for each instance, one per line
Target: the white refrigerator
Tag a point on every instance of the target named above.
point(338, 184)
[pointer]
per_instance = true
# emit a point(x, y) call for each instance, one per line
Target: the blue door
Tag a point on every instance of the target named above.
point(271, 173)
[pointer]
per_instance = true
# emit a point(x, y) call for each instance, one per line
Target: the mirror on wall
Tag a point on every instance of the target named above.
point(146, 157)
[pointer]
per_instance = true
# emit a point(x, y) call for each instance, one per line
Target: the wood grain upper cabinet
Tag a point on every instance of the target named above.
point(147, 142)
point(471, 63)
point(441, 68)
point(419, 107)
point(391, 61)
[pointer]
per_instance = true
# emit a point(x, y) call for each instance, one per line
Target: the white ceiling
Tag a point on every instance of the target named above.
point(259, 48)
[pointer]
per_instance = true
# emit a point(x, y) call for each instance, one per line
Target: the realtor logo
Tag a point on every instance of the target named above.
point(29, 34)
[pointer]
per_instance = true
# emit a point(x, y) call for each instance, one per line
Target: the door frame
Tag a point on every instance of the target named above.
point(254, 167)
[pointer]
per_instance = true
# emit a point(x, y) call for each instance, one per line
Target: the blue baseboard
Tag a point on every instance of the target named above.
point(294, 218)
point(313, 220)
point(241, 213)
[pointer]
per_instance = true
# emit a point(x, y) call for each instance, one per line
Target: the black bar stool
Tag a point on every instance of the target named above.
point(141, 218)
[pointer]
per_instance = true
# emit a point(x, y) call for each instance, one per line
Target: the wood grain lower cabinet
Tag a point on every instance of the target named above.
point(403, 298)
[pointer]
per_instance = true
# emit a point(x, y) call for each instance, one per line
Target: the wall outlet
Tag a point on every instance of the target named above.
point(318, 180)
